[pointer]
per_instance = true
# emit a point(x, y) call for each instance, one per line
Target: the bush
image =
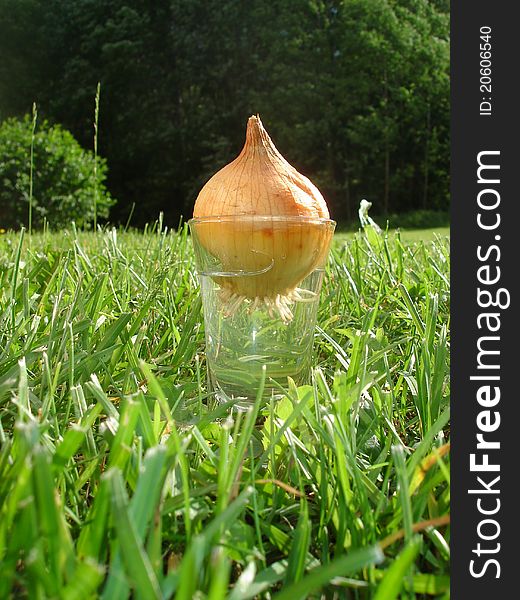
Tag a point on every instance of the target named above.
point(64, 182)
point(417, 219)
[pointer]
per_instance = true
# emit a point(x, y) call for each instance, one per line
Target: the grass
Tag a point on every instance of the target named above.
point(120, 478)
point(406, 235)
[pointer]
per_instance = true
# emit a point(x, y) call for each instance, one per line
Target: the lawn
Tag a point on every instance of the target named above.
point(407, 235)
point(120, 477)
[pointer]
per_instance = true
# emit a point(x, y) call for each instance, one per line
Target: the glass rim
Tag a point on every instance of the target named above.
point(261, 218)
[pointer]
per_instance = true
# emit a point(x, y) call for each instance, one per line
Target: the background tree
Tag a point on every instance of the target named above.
point(354, 92)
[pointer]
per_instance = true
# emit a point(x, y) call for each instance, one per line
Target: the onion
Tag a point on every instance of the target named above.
point(266, 225)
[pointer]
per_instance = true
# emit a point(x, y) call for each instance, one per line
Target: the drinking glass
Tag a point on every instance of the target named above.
point(244, 334)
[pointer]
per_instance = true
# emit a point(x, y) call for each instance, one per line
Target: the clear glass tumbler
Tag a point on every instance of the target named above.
point(244, 328)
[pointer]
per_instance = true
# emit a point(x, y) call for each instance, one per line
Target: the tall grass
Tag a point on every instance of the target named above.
point(96, 124)
point(120, 476)
point(31, 163)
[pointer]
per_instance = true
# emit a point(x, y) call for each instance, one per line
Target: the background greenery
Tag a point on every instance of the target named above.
point(355, 93)
point(120, 477)
point(66, 178)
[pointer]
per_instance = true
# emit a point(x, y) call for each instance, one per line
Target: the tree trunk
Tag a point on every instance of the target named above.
point(426, 158)
point(386, 191)
point(348, 200)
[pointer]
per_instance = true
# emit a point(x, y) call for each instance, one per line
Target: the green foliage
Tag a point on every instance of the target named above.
point(64, 181)
point(355, 93)
point(120, 476)
point(418, 219)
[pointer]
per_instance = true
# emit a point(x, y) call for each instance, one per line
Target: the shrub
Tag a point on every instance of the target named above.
point(64, 181)
point(417, 219)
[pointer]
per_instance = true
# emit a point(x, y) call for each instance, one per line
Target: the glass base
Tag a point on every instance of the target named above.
point(243, 399)
point(241, 344)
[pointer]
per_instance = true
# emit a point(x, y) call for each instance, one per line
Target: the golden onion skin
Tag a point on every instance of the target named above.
point(262, 219)
point(265, 259)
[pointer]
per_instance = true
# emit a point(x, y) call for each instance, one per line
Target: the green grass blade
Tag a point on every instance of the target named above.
point(394, 578)
point(137, 564)
point(140, 512)
point(351, 563)
point(300, 546)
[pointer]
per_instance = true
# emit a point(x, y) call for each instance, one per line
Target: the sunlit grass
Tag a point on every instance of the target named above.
point(118, 473)
point(407, 235)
